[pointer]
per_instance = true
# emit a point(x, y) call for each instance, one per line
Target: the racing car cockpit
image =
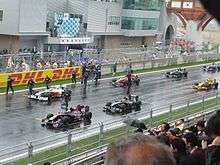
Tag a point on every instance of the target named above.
point(123, 106)
point(123, 81)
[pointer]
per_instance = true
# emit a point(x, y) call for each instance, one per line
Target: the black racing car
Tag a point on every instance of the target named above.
point(68, 120)
point(211, 68)
point(177, 74)
point(124, 106)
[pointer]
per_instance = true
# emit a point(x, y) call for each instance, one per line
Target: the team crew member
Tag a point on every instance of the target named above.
point(85, 79)
point(114, 66)
point(96, 77)
point(10, 85)
point(129, 83)
point(99, 67)
point(73, 76)
point(87, 116)
point(47, 81)
point(83, 70)
point(67, 98)
point(215, 84)
point(31, 86)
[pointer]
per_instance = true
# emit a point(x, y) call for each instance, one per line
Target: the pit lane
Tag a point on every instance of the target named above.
point(20, 117)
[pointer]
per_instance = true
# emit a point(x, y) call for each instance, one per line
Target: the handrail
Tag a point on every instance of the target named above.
point(101, 152)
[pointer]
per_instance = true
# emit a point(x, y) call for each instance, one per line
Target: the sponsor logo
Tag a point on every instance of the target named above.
point(22, 78)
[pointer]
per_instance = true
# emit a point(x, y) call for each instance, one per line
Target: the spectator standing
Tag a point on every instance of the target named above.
point(47, 81)
point(193, 148)
point(30, 86)
point(10, 85)
point(212, 152)
point(138, 150)
point(179, 150)
point(200, 130)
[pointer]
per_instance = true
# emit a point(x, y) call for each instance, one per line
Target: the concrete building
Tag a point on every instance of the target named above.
point(41, 25)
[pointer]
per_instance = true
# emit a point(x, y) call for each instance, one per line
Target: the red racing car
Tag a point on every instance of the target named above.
point(123, 81)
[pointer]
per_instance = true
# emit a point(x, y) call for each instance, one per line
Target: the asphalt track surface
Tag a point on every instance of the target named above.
point(20, 117)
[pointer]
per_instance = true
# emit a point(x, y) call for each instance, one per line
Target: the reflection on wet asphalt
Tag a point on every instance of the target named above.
point(20, 117)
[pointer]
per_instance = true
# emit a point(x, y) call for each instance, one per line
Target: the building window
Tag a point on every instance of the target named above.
point(142, 4)
point(1, 15)
point(114, 20)
point(134, 23)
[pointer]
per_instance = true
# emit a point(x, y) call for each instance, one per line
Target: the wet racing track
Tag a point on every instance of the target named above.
point(20, 117)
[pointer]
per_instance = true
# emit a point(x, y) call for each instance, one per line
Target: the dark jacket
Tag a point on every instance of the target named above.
point(212, 155)
point(184, 160)
point(199, 156)
point(10, 82)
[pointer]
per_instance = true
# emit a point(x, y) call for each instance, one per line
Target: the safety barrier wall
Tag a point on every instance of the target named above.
point(21, 78)
point(100, 134)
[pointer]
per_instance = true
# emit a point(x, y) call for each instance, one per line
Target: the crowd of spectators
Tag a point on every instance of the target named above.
point(29, 62)
point(22, 65)
point(197, 145)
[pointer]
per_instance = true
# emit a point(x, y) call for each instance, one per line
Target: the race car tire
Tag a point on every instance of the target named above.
point(108, 111)
point(87, 122)
point(49, 126)
point(42, 124)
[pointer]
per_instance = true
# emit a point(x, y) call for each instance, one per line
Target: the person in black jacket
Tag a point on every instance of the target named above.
point(10, 85)
point(215, 84)
point(129, 83)
point(73, 78)
point(180, 154)
point(212, 153)
point(47, 81)
point(192, 145)
point(30, 86)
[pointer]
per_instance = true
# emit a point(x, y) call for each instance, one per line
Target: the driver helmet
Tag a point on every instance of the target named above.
point(86, 108)
point(125, 98)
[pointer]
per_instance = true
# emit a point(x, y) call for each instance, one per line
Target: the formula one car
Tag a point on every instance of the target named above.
point(211, 68)
point(49, 94)
point(68, 120)
point(177, 74)
point(124, 106)
point(207, 85)
point(123, 81)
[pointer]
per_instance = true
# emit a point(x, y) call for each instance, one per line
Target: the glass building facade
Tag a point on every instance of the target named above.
point(134, 23)
point(154, 5)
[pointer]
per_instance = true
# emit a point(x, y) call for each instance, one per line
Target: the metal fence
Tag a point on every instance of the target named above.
point(35, 61)
point(96, 156)
point(75, 142)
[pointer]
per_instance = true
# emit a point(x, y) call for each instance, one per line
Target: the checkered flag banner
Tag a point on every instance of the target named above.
point(65, 26)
